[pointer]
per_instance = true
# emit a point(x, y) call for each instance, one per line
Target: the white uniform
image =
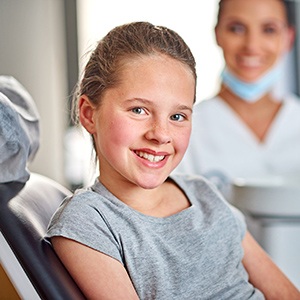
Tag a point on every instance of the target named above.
point(221, 144)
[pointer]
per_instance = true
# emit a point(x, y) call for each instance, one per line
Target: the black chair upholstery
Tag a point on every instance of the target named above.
point(25, 211)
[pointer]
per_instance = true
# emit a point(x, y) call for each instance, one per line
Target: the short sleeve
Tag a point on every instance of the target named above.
point(79, 219)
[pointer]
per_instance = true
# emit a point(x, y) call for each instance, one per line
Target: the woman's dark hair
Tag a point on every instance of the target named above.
point(290, 12)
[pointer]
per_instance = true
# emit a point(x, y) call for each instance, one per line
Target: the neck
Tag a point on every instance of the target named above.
point(163, 201)
point(258, 116)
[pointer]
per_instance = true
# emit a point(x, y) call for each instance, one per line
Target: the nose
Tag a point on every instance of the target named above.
point(252, 41)
point(159, 133)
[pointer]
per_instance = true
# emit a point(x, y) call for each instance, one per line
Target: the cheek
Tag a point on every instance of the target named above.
point(115, 136)
point(230, 53)
point(279, 49)
point(229, 43)
point(182, 140)
point(120, 131)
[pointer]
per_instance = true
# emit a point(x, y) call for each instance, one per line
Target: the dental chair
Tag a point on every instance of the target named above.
point(28, 259)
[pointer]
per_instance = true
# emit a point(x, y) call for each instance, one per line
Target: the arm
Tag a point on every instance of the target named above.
point(99, 276)
point(264, 274)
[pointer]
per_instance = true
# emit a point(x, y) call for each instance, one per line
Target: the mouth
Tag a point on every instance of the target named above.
point(250, 62)
point(150, 157)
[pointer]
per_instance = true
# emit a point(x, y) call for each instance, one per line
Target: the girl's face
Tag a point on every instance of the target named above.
point(253, 35)
point(142, 127)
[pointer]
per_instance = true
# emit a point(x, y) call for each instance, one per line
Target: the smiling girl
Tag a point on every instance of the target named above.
point(138, 233)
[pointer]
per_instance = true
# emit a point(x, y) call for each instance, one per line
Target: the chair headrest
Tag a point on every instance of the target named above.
point(19, 130)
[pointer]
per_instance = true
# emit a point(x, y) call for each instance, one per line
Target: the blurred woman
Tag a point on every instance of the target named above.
point(250, 128)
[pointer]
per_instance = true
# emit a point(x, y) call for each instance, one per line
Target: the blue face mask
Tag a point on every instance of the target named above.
point(253, 91)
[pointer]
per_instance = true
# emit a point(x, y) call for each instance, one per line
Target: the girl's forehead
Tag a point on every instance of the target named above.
point(153, 77)
point(135, 59)
point(151, 61)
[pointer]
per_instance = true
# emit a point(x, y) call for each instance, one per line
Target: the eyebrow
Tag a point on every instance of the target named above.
point(148, 102)
point(236, 19)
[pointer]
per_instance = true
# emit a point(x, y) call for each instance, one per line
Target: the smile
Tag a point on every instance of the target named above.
point(250, 61)
point(150, 157)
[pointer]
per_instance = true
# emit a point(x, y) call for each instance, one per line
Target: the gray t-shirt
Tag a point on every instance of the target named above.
point(194, 254)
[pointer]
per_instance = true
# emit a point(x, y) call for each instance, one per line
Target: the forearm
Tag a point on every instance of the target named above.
point(265, 275)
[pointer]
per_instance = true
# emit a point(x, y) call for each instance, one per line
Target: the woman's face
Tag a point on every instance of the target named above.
point(253, 35)
point(142, 127)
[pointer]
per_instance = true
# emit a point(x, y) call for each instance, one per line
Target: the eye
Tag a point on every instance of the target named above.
point(270, 30)
point(237, 28)
point(138, 110)
point(178, 117)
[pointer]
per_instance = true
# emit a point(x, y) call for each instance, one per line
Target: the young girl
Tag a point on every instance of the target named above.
point(138, 233)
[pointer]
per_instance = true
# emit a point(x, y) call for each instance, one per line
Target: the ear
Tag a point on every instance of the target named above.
point(87, 112)
point(290, 37)
point(217, 36)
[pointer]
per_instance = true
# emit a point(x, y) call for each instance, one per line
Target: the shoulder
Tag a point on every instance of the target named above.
point(203, 193)
point(187, 181)
point(87, 205)
point(198, 187)
point(75, 209)
point(82, 200)
point(207, 104)
point(209, 111)
point(89, 218)
point(290, 111)
point(292, 100)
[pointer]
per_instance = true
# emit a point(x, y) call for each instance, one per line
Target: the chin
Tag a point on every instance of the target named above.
point(251, 75)
point(151, 183)
point(149, 186)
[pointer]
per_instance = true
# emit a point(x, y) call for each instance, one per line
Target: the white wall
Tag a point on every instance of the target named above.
point(194, 20)
point(32, 49)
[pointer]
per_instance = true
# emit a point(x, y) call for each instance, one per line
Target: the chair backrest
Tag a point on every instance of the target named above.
point(25, 211)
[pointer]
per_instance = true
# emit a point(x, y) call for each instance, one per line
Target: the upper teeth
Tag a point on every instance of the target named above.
point(150, 157)
point(251, 61)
